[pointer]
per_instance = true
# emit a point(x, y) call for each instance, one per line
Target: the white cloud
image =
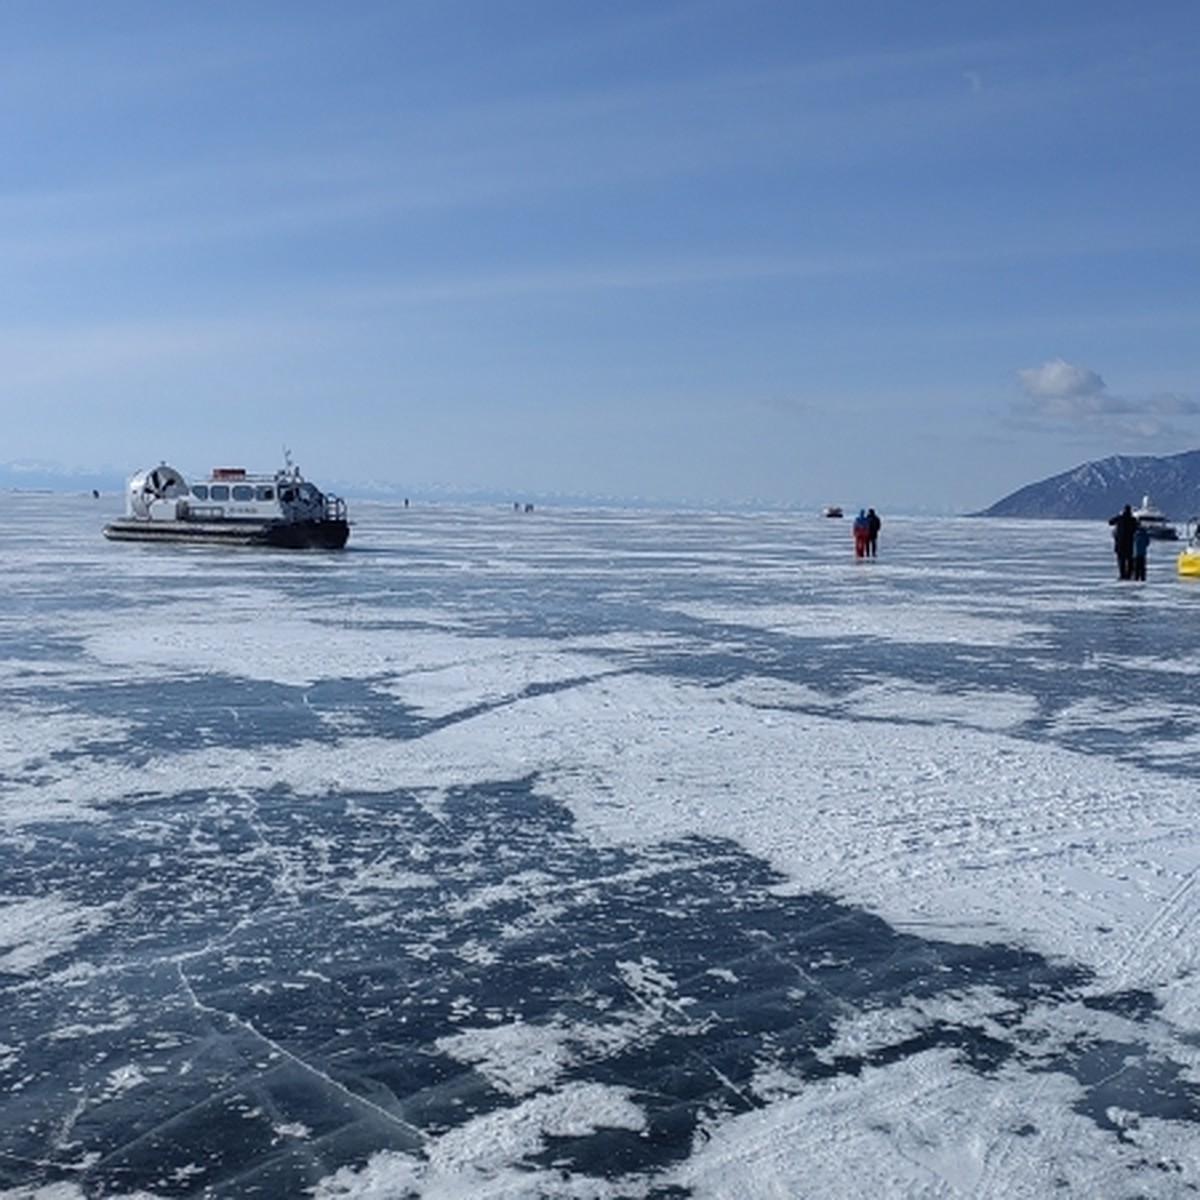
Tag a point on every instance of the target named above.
point(1059, 379)
point(1069, 395)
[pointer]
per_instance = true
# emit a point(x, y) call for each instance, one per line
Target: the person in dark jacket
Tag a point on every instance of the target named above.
point(873, 524)
point(1124, 526)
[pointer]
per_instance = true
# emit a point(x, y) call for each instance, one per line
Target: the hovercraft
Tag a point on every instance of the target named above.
point(231, 506)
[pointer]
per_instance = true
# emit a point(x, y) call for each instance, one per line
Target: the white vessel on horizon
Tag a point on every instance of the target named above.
point(1152, 520)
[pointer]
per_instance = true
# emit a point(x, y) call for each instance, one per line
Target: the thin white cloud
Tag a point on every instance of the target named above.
point(1170, 404)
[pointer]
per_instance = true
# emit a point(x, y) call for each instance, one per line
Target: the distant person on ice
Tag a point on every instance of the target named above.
point(861, 534)
point(1141, 543)
point(1124, 527)
point(873, 524)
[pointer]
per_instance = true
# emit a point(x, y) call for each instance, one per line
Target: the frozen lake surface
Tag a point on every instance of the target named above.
point(597, 854)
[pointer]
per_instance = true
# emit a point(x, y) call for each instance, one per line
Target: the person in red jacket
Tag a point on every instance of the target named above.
point(861, 533)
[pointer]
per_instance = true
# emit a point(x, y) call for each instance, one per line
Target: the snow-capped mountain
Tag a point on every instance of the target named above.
point(1096, 490)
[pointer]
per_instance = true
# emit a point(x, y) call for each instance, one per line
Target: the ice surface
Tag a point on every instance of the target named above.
point(596, 854)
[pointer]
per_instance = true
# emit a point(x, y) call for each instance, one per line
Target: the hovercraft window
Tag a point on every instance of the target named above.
point(243, 491)
point(200, 491)
point(266, 492)
point(219, 491)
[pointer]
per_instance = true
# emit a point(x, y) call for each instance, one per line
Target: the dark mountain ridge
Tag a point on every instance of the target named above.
point(1095, 491)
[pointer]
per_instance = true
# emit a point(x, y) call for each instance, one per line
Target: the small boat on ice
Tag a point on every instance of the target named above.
point(1151, 519)
point(832, 510)
point(231, 507)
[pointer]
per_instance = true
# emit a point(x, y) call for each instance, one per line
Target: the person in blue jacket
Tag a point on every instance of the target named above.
point(1141, 543)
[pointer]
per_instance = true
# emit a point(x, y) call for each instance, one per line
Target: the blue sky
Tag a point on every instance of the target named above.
point(910, 255)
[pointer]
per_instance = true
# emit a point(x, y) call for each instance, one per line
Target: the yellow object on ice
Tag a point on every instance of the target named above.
point(1188, 562)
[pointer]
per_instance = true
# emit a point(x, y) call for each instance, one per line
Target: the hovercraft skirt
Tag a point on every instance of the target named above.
point(289, 535)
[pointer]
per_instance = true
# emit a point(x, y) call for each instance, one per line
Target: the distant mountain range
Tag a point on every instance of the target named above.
point(1091, 492)
point(1097, 490)
point(29, 476)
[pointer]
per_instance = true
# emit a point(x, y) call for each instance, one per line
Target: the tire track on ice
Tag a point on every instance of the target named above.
point(1145, 951)
point(1173, 918)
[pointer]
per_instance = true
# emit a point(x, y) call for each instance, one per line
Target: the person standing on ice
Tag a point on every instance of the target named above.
point(1141, 543)
point(860, 534)
point(1124, 526)
point(873, 525)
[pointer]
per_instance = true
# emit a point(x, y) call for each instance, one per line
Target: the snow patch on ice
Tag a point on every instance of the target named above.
point(34, 930)
point(517, 1059)
point(969, 707)
point(924, 624)
point(927, 1126)
point(488, 1157)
